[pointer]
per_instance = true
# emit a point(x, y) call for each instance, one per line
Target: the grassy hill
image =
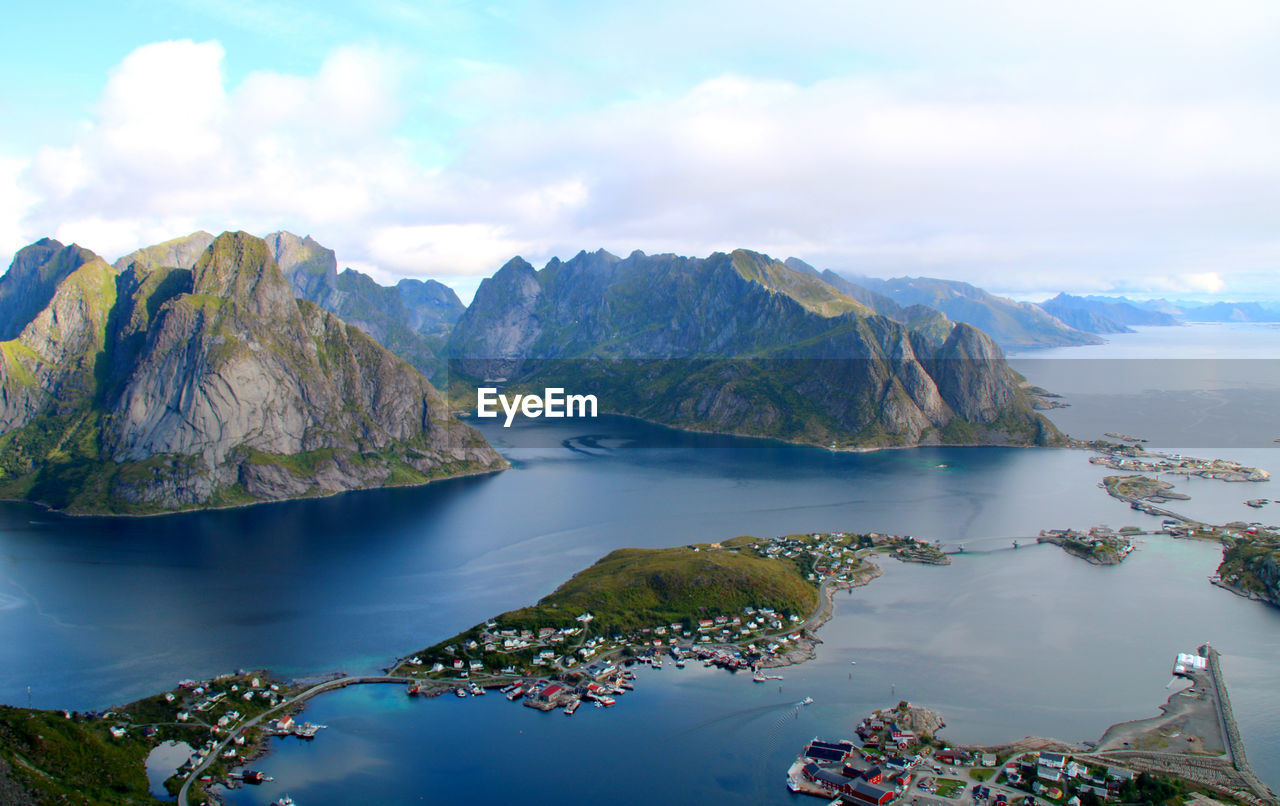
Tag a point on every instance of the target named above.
point(635, 588)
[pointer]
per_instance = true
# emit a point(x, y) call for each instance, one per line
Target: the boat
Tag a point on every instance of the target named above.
point(415, 689)
point(758, 677)
point(571, 707)
point(657, 664)
point(853, 663)
point(679, 663)
point(515, 693)
point(307, 731)
point(476, 691)
point(606, 701)
point(284, 800)
point(461, 692)
point(807, 701)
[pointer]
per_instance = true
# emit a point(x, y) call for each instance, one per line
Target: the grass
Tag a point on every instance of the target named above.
point(73, 760)
point(982, 774)
point(949, 787)
point(635, 588)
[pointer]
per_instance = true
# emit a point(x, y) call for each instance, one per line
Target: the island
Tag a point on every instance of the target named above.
point(1099, 546)
point(748, 605)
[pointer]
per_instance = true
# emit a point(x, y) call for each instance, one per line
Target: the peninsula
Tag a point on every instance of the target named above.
point(747, 605)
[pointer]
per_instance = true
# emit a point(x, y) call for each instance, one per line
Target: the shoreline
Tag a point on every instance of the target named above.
point(1069, 442)
point(224, 507)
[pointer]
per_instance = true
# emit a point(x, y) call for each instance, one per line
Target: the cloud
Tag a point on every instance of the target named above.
point(1028, 148)
point(1208, 282)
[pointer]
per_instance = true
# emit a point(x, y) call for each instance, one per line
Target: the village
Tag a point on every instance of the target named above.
point(1135, 459)
point(563, 665)
point(898, 759)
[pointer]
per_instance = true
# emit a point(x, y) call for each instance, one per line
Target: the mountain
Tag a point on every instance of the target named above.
point(180, 252)
point(738, 343)
point(155, 388)
point(1176, 312)
point(1114, 312)
point(1083, 317)
point(409, 319)
point(1014, 325)
point(32, 279)
point(1229, 312)
point(915, 317)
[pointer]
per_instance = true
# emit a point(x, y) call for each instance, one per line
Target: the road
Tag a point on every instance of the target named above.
point(341, 682)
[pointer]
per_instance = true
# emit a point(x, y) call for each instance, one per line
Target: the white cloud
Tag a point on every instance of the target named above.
point(1029, 148)
point(13, 205)
point(445, 249)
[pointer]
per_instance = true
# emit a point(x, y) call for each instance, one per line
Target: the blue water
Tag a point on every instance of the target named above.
point(99, 611)
point(1003, 645)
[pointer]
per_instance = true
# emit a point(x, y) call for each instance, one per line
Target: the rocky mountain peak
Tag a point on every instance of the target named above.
point(176, 253)
point(32, 279)
point(240, 268)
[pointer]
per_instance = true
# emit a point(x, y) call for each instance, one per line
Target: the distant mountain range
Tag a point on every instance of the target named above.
point(143, 387)
point(740, 343)
point(1121, 311)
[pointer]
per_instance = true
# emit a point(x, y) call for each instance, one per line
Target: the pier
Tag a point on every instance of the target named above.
point(1230, 731)
point(1228, 773)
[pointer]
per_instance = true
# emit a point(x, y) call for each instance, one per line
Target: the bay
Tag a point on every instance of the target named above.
point(97, 611)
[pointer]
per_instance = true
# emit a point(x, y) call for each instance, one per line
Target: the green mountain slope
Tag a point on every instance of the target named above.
point(738, 344)
point(153, 389)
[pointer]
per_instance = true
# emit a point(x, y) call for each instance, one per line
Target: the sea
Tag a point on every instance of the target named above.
point(1004, 642)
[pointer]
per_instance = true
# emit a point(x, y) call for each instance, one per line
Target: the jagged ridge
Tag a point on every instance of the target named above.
point(739, 343)
point(150, 388)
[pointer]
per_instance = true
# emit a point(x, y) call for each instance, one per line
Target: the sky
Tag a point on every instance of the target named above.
point(1094, 147)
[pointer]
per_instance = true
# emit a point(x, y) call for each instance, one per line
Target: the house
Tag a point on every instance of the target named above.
point(989, 760)
point(855, 789)
point(1055, 761)
point(867, 792)
point(1119, 774)
point(950, 756)
point(1051, 775)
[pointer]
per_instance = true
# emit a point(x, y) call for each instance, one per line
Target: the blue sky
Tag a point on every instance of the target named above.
point(1029, 148)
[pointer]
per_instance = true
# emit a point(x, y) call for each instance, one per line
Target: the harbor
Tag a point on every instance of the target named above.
point(896, 754)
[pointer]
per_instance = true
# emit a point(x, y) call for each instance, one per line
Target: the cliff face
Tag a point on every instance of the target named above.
point(153, 389)
point(410, 318)
point(740, 343)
